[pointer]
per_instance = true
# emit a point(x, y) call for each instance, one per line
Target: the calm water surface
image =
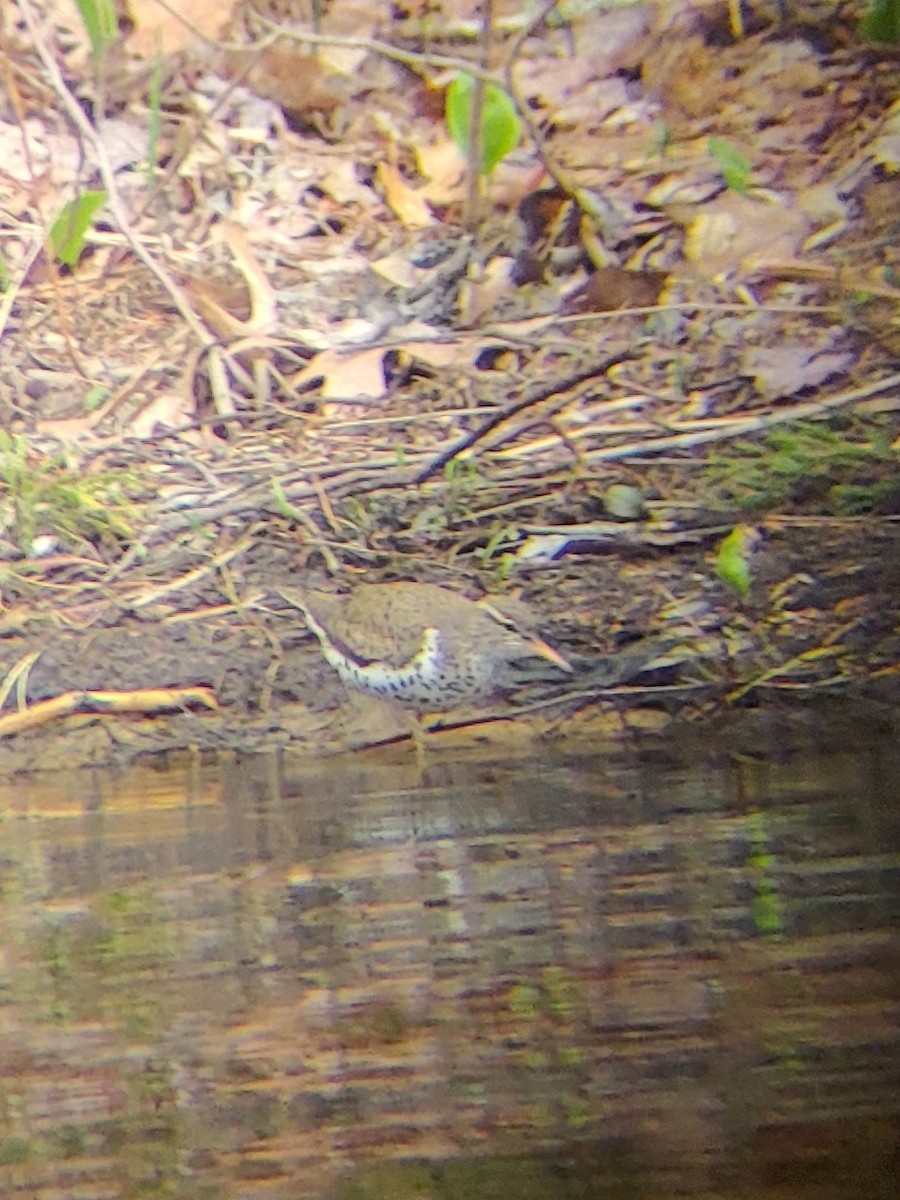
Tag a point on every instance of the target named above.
point(566, 976)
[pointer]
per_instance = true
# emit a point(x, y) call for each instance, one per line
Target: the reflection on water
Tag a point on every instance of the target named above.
point(567, 976)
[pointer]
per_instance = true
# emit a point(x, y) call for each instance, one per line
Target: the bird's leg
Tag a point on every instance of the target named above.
point(417, 735)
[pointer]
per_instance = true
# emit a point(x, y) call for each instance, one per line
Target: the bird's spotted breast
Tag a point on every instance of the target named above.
point(421, 680)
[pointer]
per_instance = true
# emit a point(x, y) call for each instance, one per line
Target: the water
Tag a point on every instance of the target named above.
point(571, 975)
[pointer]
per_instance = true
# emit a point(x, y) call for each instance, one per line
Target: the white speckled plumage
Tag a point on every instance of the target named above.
point(417, 643)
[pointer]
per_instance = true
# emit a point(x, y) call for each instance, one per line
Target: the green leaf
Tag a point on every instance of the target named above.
point(282, 504)
point(95, 397)
point(734, 164)
point(732, 563)
point(99, 19)
point(500, 125)
point(882, 22)
point(69, 228)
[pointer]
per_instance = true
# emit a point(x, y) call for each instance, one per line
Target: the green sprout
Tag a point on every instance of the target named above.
point(500, 124)
point(735, 166)
point(153, 129)
point(99, 19)
point(67, 236)
point(732, 561)
point(882, 22)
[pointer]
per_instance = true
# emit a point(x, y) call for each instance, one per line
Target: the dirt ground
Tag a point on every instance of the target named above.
point(287, 363)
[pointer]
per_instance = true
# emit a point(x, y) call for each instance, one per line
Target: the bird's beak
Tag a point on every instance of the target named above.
point(541, 648)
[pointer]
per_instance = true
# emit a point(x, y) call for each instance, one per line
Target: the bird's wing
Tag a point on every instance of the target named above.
point(358, 635)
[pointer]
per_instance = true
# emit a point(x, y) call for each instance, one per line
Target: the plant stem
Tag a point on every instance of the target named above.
point(472, 207)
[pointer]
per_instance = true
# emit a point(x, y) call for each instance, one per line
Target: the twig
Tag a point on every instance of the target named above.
point(17, 677)
point(143, 700)
point(504, 414)
point(373, 46)
point(11, 294)
point(522, 108)
point(732, 428)
point(472, 203)
point(591, 204)
point(154, 595)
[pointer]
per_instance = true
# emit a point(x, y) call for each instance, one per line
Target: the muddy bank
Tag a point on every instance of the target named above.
point(654, 636)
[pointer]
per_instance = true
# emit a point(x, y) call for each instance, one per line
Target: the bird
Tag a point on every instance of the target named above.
point(422, 645)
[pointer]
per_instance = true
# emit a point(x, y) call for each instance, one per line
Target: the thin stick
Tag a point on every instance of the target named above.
point(472, 207)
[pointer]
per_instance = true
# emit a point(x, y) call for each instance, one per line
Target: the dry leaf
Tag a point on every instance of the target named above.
point(346, 374)
point(159, 30)
point(788, 368)
point(614, 287)
point(347, 18)
point(291, 77)
point(263, 302)
point(738, 233)
point(476, 297)
point(405, 201)
point(399, 271)
point(439, 163)
point(425, 344)
point(341, 182)
point(224, 307)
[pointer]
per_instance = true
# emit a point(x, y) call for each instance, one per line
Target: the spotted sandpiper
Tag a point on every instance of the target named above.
point(422, 645)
